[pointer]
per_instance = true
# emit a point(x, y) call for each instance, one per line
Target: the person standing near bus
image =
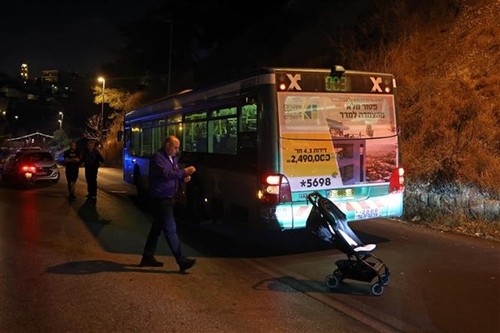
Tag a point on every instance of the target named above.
point(165, 176)
point(72, 159)
point(92, 159)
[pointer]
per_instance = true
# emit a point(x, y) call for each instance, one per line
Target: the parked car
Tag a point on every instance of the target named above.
point(29, 166)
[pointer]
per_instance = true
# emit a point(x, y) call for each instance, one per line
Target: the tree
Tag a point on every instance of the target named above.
point(60, 140)
point(120, 101)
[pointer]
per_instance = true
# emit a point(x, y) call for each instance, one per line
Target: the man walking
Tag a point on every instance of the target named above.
point(72, 165)
point(164, 178)
point(92, 159)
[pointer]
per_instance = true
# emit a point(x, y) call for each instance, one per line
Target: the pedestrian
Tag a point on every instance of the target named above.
point(72, 158)
point(165, 176)
point(92, 159)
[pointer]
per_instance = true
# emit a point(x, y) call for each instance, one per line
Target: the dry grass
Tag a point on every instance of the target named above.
point(445, 56)
point(446, 61)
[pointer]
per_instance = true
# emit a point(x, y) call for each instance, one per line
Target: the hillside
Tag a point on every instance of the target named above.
point(445, 56)
point(449, 82)
point(451, 117)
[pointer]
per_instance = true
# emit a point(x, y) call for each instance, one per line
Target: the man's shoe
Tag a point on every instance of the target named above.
point(150, 262)
point(186, 264)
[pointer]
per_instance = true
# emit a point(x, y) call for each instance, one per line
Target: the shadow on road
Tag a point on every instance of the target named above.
point(241, 241)
point(101, 266)
point(219, 239)
point(226, 240)
point(88, 213)
point(288, 284)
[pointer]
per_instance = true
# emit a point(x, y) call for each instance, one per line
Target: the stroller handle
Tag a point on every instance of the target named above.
point(313, 197)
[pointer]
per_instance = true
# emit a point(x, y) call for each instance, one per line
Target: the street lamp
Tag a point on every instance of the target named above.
point(103, 81)
point(60, 120)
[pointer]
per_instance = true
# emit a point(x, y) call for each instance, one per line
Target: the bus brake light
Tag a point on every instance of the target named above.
point(273, 179)
point(397, 180)
point(274, 189)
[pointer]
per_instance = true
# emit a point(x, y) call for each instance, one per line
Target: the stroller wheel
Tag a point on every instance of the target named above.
point(338, 273)
point(377, 289)
point(331, 281)
point(385, 278)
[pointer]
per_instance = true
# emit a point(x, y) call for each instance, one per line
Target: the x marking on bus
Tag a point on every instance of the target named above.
point(294, 81)
point(376, 84)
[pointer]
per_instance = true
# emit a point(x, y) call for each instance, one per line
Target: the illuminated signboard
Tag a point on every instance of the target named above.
point(323, 82)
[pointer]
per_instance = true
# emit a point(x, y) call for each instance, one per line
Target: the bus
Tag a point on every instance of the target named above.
point(263, 141)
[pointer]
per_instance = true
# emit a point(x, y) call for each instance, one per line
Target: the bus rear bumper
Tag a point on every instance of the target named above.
point(294, 215)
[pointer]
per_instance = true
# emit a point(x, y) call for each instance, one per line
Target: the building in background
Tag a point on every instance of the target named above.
point(24, 72)
point(50, 76)
point(58, 82)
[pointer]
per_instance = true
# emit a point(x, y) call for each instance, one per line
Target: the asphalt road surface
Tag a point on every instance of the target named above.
point(73, 267)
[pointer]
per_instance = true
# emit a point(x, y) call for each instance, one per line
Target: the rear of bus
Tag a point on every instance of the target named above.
point(337, 135)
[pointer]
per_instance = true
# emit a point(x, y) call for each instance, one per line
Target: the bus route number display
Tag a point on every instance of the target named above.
point(333, 83)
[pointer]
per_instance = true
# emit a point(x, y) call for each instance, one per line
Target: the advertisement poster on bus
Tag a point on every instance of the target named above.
point(333, 140)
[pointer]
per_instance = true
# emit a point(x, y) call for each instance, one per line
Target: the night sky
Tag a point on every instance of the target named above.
point(64, 35)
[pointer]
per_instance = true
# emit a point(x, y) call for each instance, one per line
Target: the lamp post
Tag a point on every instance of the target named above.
point(101, 123)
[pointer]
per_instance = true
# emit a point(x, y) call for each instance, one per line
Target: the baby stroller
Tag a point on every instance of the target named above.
point(329, 223)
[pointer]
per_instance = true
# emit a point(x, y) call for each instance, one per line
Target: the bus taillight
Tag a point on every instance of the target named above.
point(274, 188)
point(397, 181)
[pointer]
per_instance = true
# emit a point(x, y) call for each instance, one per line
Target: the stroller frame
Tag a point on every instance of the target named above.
point(329, 223)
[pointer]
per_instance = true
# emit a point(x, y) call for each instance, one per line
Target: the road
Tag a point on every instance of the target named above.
point(73, 267)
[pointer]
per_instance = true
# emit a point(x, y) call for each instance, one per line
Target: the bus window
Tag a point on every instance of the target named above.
point(222, 136)
point(174, 119)
point(135, 140)
point(174, 126)
point(146, 142)
point(224, 112)
point(201, 136)
point(158, 135)
point(174, 130)
point(188, 141)
point(248, 118)
point(195, 137)
point(214, 130)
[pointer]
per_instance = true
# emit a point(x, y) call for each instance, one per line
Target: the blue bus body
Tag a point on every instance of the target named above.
point(262, 142)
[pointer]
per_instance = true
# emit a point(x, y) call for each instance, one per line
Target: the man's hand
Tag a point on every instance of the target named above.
point(190, 170)
point(187, 179)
